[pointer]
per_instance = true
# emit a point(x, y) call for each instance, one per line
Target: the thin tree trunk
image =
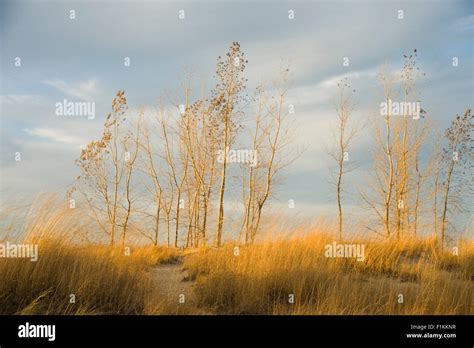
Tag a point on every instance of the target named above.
point(114, 207)
point(435, 204)
point(157, 220)
point(177, 220)
point(339, 178)
point(168, 228)
point(417, 201)
point(339, 206)
point(220, 218)
point(445, 204)
point(390, 178)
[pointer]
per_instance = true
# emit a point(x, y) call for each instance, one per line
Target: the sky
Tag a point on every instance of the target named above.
point(81, 59)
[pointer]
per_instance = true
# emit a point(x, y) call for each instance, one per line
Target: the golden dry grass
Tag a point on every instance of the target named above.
point(259, 280)
point(101, 281)
point(104, 280)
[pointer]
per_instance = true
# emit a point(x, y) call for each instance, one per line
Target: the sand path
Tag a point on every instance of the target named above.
point(171, 280)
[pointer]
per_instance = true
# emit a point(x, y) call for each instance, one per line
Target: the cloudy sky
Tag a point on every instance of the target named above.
point(82, 59)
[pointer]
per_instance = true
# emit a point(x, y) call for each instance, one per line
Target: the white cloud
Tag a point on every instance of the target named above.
point(464, 23)
point(325, 91)
point(83, 90)
point(56, 135)
point(44, 167)
point(11, 99)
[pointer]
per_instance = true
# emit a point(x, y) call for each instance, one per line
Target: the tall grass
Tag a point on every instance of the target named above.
point(100, 279)
point(258, 279)
point(261, 279)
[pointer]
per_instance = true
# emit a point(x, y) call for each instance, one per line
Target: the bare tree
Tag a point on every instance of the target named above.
point(200, 141)
point(399, 176)
point(130, 158)
point(174, 166)
point(435, 170)
point(119, 107)
point(457, 157)
point(344, 135)
point(98, 184)
point(407, 142)
point(384, 170)
point(225, 113)
point(152, 170)
point(419, 174)
point(270, 144)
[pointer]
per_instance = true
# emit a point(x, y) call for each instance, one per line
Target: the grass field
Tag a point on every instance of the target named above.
point(289, 275)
